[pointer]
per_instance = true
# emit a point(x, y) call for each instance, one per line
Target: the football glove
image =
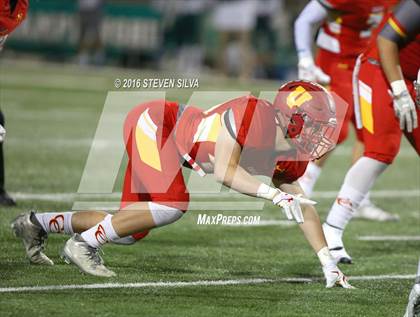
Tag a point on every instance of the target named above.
point(307, 70)
point(334, 277)
point(413, 306)
point(291, 205)
point(404, 106)
point(2, 133)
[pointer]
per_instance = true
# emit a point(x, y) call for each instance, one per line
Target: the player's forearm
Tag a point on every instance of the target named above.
point(390, 62)
point(312, 14)
point(238, 179)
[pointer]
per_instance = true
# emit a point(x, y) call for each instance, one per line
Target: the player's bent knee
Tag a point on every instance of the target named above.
point(164, 215)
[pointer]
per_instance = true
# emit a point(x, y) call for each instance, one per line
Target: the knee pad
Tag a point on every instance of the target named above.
point(164, 215)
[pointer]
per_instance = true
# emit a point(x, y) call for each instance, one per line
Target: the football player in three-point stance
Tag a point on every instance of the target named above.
point(235, 140)
point(345, 32)
point(386, 107)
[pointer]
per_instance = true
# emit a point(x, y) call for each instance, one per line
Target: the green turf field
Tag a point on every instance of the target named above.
point(52, 114)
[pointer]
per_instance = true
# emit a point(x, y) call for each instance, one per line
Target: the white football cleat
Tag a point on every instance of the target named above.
point(370, 211)
point(334, 277)
point(413, 306)
point(33, 238)
point(86, 258)
point(335, 244)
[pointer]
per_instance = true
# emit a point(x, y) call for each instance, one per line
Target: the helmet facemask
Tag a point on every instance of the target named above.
point(311, 138)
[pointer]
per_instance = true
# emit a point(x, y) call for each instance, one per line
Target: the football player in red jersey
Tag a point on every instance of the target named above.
point(345, 32)
point(12, 13)
point(386, 108)
point(235, 140)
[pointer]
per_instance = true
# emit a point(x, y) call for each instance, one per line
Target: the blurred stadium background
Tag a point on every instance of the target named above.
point(252, 39)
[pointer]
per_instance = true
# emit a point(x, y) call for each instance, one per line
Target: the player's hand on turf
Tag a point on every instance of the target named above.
point(307, 70)
point(334, 277)
point(2, 133)
point(291, 205)
point(404, 106)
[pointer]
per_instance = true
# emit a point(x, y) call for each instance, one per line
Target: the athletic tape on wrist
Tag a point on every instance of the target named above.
point(267, 192)
point(325, 257)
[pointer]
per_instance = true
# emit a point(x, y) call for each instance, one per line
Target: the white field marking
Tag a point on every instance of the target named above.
point(406, 152)
point(264, 223)
point(385, 193)
point(256, 205)
point(194, 283)
point(87, 142)
point(389, 238)
point(287, 223)
point(415, 214)
point(389, 193)
point(63, 142)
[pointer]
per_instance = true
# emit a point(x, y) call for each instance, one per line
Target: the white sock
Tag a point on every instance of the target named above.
point(347, 202)
point(366, 201)
point(357, 183)
point(308, 180)
point(56, 222)
point(418, 269)
point(100, 233)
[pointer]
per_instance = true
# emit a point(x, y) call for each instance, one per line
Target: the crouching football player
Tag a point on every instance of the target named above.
point(235, 140)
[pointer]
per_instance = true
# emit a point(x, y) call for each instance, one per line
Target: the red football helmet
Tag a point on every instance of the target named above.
point(12, 15)
point(306, 112)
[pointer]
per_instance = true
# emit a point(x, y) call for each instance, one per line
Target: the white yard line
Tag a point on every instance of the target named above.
point(193, 283)
point(384, 193)
point(387, 193)
point(264, 223)
point(389, 238)
point(405, 152)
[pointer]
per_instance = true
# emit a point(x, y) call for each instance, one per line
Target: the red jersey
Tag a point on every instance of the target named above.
point(348, 34)
point(251, 122)
point(11, 17)
point(409, 53)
